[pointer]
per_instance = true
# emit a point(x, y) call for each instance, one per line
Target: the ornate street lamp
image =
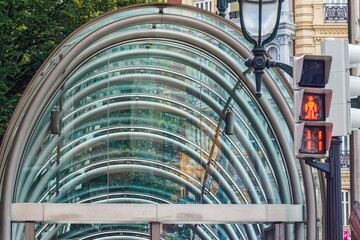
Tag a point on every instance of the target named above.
point(260, 19)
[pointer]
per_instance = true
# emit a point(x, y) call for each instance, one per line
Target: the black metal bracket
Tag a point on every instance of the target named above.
point(322, 166)
point(285, 67)
point(333, 209)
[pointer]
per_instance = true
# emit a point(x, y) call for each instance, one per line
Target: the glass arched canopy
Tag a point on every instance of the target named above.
point(131, 109)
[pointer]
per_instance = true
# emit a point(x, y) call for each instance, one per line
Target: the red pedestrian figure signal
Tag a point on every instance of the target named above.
point(313, 107)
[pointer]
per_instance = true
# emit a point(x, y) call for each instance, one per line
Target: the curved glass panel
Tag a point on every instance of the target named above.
point(142, 121)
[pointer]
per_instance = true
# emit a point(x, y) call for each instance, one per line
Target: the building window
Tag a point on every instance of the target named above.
point(206, 5)
point(345, 194)
point(274, 53)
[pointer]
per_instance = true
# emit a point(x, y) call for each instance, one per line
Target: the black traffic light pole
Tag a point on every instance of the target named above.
point(332, 168)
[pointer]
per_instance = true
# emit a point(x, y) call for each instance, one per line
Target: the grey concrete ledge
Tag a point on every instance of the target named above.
point(162, 213)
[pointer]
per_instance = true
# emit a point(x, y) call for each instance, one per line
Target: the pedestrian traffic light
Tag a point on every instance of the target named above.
point(312, 135)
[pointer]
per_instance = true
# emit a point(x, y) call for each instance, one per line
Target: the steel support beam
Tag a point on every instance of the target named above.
point(30, 231)
point(154, 231)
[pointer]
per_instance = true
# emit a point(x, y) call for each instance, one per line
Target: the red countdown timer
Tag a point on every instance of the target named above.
point(314, 140)
point(313, 107)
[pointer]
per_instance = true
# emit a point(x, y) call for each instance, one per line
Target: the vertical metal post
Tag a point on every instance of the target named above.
point(222, 5)
point(354, 165)
point(154, 231)
point(334, 206)
point(30, 231)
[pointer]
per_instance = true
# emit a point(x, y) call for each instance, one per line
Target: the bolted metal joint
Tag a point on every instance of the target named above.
point(259, 62)
point(270, 63)
point(248, 62)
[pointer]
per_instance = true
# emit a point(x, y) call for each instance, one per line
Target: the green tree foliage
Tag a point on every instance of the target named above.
point(29, 31)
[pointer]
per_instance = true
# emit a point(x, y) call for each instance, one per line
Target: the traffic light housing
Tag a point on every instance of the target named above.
point(344, 57)
point(312, 135)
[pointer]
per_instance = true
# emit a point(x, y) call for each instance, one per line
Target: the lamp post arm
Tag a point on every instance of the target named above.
point(285, 67)
point(322, 166)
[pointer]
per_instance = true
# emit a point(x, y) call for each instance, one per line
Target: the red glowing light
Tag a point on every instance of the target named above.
point(320, 143)
point(313, 107)
point(308, 140)
point(313, 140)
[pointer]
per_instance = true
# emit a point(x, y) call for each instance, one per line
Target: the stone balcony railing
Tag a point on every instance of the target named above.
point(336, 12)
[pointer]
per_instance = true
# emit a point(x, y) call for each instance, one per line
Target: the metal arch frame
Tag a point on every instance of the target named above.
point(268, 112)
point(192, 226)
point(199, 231)
point(151, 163)
point(140, 168)
point(188, 176)
point(121, 135)
point(142, 75)
point(240, 101)
point(104, 169)
point(116, 80)
point(260, 124)
point(65, 161)
point(119, 235)
point(11, 166)
point(139, 104)
point(177, 84)
point(253, 117)
point(164, 213)
point(205, 46)
point(201, 161)
point(220, 110)
point(174, 178)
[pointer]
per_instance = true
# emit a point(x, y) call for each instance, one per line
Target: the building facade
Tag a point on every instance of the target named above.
point(317, 20)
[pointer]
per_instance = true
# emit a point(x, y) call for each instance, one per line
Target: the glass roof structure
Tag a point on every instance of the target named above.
point(132, 109)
